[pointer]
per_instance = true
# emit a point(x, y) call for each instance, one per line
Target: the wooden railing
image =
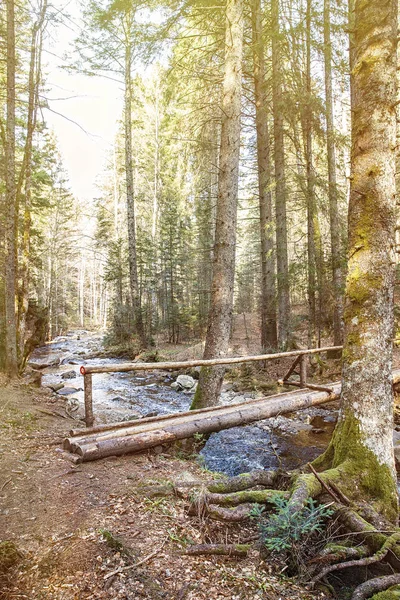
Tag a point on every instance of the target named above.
point(87, 371)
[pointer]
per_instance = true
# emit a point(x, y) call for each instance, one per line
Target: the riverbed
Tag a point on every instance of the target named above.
point(283, 441)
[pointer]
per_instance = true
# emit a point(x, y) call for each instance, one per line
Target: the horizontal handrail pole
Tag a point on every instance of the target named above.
point(125, 367)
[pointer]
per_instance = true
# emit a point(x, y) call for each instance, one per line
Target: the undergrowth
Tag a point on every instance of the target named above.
point(292, 534)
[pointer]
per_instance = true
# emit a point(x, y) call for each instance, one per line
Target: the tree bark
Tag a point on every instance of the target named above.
point(130, 200)
point(26, 171)
point(220, 315)
point(11, 202)
point(362, 444)
point(336, 245)
point(268, 292)
point(280, 185)
point(311, 208)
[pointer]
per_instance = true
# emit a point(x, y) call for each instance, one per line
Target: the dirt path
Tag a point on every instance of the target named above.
point(75, 526)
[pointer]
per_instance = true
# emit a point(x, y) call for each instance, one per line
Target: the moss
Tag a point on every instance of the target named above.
point(392, 593)
point(196, 402)
point(198, 397)
point(9, 555)
point(356, 469)
point(359, 470)
point(257, 496)
point(242, 547)
point(310, 482)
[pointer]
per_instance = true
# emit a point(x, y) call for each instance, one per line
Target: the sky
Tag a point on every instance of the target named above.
point(89, 107)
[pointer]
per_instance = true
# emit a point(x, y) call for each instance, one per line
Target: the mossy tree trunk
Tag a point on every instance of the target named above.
point(220, 315)
point(362, 448)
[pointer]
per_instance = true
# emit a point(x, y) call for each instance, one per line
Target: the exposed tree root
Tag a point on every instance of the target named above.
point(244, 482)
point(373, 586)
point(240, 550)
point(375, 538)
point(236, 514)
point(389, 544)
point(244, 497)
point(333, 553)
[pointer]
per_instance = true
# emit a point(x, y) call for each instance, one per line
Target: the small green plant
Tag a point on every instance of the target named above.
point(111, 540)
point(182, 540)
point(285, 530)
point(25, 420)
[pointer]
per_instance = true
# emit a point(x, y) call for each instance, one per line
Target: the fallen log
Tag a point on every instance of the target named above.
point(102, 432)
point(142, 435)
point(239, 550)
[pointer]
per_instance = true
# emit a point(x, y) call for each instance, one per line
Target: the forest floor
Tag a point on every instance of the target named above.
point(81, 529)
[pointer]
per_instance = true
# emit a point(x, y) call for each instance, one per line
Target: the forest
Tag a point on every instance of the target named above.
point(245, 205)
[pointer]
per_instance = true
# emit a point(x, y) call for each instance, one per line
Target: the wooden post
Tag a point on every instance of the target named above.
point(303, 370)
point(87, 381)
point(292, 369)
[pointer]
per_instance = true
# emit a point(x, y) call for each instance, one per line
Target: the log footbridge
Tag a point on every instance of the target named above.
point(114, 439)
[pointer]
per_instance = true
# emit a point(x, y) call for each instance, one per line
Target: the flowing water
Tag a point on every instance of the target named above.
point(286, 441)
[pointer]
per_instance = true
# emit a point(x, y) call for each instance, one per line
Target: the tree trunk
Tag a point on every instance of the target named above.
point(311, 208)
point(130, 200)
point(220, 315)
point(11, 205)
point(336, 245)
point(280, 189)
point(268, 292)
point(26, 171)
point(361, 450)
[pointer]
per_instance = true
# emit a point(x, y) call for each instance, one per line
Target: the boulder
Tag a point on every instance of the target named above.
point(66, 391)
point(192, 390)
point(54, 362)
point(33, 377)
point(185, 381)
point(68, 375)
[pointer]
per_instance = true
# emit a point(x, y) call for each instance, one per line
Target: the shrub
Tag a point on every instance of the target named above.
point(292, 533)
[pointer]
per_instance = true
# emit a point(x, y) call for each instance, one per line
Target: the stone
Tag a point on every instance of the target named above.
point(54, 362)
point(33, 377)
point(66, 391)
point(185, 381)
point(68, 375)
point(192, 390)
